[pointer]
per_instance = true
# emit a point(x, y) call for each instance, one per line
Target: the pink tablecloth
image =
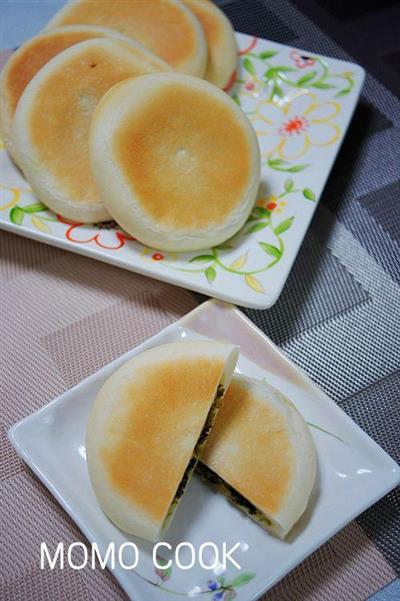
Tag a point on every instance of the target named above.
point(62, 317)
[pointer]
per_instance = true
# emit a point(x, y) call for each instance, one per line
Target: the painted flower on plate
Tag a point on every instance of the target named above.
point(301, 61)
point(157, 256)
point(271, 203)
point(163, 572)
point(292, 128)
point(212, 585)
point(252, 87)
point(106, 235)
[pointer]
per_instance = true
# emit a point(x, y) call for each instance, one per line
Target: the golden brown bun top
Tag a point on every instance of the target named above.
point(161, 26)
point(37, 52)
point(249, 447)
point(164, 413)
point(180, 148)
point(61, 110)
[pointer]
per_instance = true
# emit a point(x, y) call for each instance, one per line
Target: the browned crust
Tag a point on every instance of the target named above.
point(61, 112)
point(166, 411)
point(186, 157)
point(161, 26)
point(31, 58)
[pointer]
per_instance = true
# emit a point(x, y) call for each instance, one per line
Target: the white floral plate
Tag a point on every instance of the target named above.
point(301, 106)
point(353, 473)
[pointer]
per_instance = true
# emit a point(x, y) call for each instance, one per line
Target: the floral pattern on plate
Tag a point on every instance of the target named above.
point(221, 587)
point(300, 105)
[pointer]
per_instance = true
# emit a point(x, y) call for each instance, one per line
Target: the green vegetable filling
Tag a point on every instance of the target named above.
point(211, 417)
point(234, 497)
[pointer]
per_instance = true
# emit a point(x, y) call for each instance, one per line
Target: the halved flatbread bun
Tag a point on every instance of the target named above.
point(25, 62)
point(147, 427)
point(261, 455)
point(169, 29)
point(222, 48)
point(51, 124)
point(175, 160)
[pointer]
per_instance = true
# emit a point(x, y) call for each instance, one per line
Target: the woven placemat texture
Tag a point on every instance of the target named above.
point(339, 314)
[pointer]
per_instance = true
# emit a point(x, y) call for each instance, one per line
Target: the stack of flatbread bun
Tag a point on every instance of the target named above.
point(178, 407)
point(116, 110)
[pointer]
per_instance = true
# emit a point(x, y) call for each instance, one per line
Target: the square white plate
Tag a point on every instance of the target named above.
point(353, 472)
point(301, 106)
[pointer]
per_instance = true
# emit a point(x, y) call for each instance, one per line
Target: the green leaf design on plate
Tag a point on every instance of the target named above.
point(284, 69)
point(270, 249)
point(167, 574)
point(36, 207)
point(257, 227)
point(210, 274)
point(17, 215)
point(277, 91)
point(306, 78)
point(309, 194)
point(321, 85)
point(200, 258)
point(282, 165)
point(288, 185)
point(342, 93)
point(261, 212)
point(277, 162)
point(269, 74)
point(283, 226)
point(230, 595)
point(297, 168)
point(274, 72)
point(163, 572)
point(267, 54)
point(236, 98)
point(241, 580)
point(224, 246)
point(248, 65)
